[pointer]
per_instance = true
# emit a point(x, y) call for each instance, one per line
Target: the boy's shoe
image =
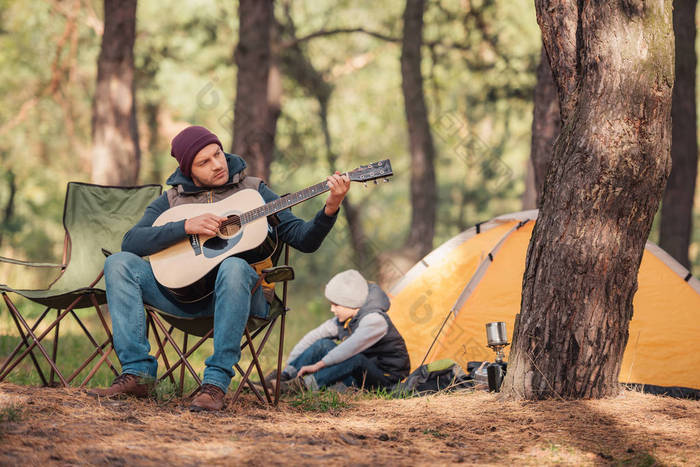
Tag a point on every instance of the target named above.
point(272, 377)
point(270, 381)
point(210, 397)
point(293, 386)
point(125, 385)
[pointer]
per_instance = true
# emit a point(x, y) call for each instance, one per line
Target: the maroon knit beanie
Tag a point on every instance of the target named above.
point(188, 143)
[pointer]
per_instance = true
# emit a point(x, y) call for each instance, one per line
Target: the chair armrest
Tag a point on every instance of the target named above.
point(278, 274)
point(31, 263)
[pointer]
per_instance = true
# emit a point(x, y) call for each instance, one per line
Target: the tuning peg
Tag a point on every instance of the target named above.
point(375, 182)
point(365, 184)
point(386, 180)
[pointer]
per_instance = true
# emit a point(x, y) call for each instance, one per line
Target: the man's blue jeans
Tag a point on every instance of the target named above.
point(131, 283)
point(357, 370)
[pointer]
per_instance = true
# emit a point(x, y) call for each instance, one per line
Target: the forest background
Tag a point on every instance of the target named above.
point(479, 66)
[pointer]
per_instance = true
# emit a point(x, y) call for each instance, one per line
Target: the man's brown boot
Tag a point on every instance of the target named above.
point(124, 385)
point(210, 397)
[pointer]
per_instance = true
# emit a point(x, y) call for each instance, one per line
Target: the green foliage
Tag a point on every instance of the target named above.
point(478, 72)
point(641, 459)
point(319, 401)
point(185, 72)
point(166, 391)
point(10, 413)
point(385, 393)
point(435, 433)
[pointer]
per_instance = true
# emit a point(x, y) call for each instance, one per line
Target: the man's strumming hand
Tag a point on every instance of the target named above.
point(204, 224)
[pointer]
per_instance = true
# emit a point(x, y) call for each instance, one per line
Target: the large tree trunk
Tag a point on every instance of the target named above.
point(546, 123)
point(116, 156)
point(677, 206)
point(613, 65)
point(254, 120)
point(423, 186)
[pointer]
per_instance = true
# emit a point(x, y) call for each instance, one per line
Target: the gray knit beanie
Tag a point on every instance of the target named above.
point(347, 288)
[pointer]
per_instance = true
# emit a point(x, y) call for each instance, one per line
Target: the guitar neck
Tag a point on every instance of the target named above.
point(283, 203)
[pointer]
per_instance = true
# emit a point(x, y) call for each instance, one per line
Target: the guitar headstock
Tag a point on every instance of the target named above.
point(373, 171)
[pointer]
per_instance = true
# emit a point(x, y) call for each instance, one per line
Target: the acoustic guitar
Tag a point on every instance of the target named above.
point(188, 268)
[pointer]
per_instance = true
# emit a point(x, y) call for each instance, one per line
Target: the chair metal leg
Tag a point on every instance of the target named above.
point(283, 321)
point(95, 368)
point(98, 350)
point(254, 353)
point(55, 348)
point(280, 351)
point(163, 342)
point(251, 386)
point(23, 342)
point(156, 320)
point(182, 368)
point(160, 344)
point(109, 339)
point(36, 342)
point(256, 361)
point(187, 354)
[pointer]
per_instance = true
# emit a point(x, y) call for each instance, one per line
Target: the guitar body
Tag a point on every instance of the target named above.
point(259, 257)
point(182, 266)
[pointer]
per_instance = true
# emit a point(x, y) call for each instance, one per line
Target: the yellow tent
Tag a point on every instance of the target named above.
point(442, 304)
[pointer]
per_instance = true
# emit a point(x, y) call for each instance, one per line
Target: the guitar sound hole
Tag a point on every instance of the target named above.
point(230, 227)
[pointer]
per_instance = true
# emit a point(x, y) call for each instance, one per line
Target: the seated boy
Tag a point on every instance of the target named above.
point(371, 352)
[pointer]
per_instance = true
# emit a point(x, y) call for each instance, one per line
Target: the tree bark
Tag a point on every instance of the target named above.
point(254, 120)
point(116, 156)
point(546, 123)
point(677, 206)
point(9, 209)
point(613, 65)
point(423, 184)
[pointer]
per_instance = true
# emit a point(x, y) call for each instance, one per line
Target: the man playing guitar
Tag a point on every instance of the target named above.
point(205, 175)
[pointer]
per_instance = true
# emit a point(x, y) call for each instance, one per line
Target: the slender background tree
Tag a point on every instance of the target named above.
point(255, 117)
point(677, 208)
point(116, 156)
point(546, 124)
point(423, 184)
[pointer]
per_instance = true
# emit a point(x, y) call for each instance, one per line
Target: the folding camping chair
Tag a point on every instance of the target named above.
point(203, 327)
point(94, 217)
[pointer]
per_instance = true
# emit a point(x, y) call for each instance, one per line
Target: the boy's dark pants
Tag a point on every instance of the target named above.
point(357, 371)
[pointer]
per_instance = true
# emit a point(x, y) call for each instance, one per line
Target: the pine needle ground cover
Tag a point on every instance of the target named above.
point(56, 426)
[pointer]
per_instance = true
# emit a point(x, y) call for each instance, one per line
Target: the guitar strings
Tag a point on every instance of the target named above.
point(237, 219)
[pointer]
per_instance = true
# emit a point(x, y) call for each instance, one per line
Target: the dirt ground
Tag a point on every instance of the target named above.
point(40, 426)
